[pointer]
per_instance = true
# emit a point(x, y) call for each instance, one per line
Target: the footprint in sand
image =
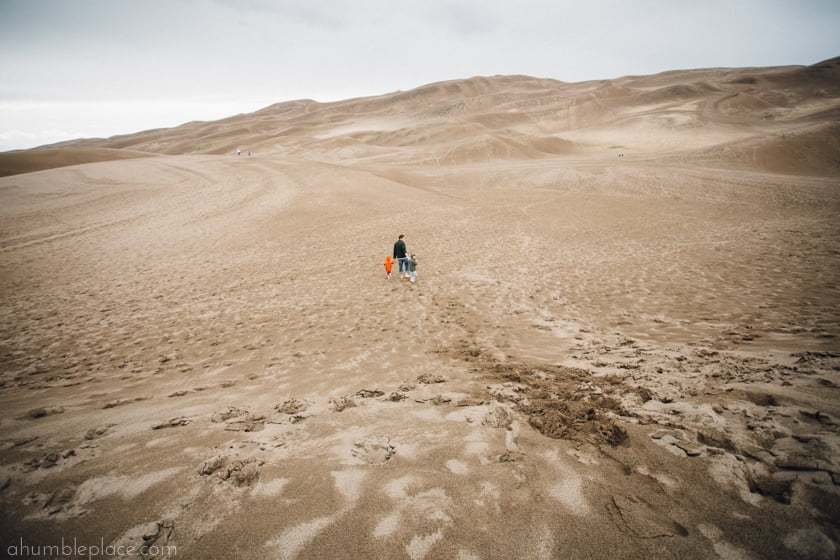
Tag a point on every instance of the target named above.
point(342, 403)
point(157, 539)
point(294, 409)
point(172, 423)
point(42, 412)
point(429, 379)
point(98, 432)
point(239, 420)
point(498, 416)
point(49, 460)
point(374, 450)
point(57, 504)
point(291, 406)
point(225, 415)
point(119, 402)
point(407, 386)
point(672, 442)
point(369, 393)
point(239, 472)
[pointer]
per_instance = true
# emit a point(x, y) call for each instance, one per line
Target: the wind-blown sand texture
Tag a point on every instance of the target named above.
point(622, 342)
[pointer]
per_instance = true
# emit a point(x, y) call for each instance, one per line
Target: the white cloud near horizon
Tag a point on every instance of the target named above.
point(103, 67)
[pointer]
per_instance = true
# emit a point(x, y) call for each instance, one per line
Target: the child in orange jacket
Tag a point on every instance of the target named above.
point(389, 263)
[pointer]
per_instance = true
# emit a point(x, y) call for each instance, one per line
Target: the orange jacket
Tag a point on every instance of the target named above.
point(389, 262)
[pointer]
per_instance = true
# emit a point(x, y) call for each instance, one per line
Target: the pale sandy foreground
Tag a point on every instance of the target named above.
point(605, 356)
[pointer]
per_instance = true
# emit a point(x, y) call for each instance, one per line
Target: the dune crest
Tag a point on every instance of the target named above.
point(519, 117)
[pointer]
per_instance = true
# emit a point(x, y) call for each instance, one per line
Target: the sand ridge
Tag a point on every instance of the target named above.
point(603, 356)
point(525, 118)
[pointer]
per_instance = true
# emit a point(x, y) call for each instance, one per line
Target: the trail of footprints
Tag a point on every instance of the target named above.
point(232, 465)
point(239, 465)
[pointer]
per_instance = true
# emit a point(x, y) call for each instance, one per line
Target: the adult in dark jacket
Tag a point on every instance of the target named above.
point(401, 255)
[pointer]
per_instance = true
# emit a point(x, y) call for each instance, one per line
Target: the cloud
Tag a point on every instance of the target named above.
point(19, 139)
point(32, 124)
point(202, 51)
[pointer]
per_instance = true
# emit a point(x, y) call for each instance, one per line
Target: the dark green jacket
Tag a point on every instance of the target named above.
point(399, 249)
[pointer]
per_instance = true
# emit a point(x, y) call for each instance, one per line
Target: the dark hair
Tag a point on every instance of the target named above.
point(401, 236)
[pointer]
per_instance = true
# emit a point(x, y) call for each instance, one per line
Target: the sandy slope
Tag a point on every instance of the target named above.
point(604, 356)
point(27, 161)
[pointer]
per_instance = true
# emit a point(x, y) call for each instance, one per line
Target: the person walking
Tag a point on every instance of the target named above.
point(389, 263)
point(412, 268)
point(400, 254)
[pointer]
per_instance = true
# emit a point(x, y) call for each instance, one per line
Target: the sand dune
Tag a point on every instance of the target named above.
point(625, 356)
point(674, 111)
point(808, 150)
point(13, 163)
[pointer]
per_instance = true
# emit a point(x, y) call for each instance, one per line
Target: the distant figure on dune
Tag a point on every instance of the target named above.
point(400, 255)
point(389, 264)
point(237, 151)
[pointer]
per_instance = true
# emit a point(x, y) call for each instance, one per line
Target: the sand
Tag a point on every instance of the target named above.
point(622, 341)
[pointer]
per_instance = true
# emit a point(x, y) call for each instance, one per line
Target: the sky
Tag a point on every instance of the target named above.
point(96, 68)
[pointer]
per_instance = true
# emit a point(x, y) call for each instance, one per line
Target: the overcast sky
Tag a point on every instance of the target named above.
point(95, 68)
